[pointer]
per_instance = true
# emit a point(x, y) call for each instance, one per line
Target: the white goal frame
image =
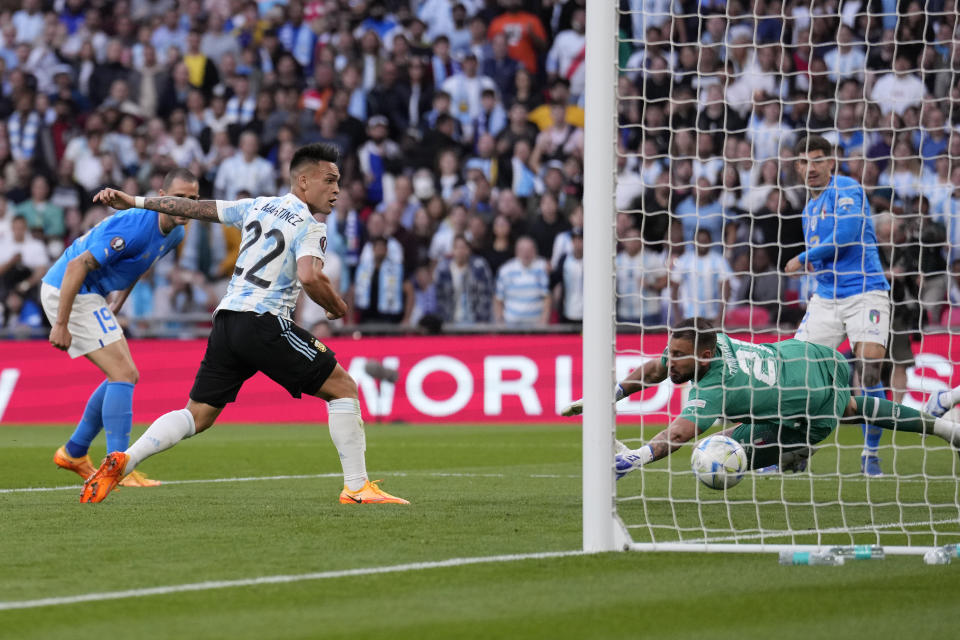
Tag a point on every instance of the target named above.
point(603, 530)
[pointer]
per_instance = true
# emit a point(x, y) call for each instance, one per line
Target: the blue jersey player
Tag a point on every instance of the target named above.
point(852, 295)
point(111, 257)
point(282, 250)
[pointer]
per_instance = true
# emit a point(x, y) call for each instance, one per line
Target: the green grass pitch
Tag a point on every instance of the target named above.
point(476, 491)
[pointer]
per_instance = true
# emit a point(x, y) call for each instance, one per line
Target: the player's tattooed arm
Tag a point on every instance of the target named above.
point(185, 207)
point(171, 205)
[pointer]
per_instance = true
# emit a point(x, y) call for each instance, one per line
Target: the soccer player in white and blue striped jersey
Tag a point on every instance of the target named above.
point(282, 250)
point(852, 299)
point(522, 294)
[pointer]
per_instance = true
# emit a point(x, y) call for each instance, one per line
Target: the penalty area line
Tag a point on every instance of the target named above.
point(278, 579)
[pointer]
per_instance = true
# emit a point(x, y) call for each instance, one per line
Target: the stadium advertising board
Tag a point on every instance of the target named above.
point(453, 379)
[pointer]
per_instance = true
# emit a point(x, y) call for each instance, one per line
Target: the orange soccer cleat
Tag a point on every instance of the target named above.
point(100, 484)
point(370, 493)
point(80, 466)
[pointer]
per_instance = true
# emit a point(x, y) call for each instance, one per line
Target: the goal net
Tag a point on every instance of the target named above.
point(695, 208)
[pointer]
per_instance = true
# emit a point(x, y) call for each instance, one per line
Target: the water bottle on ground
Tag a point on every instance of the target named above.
point(810, 558)
point(859, 551)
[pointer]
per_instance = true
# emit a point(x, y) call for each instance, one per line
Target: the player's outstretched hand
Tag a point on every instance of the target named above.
point(60, 337)
point(115, 198)
point(573, 409)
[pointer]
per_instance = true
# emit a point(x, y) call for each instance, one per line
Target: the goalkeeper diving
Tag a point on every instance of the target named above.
point(787, 396)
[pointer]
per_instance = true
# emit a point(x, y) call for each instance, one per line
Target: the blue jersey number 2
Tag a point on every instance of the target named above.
point(105, 318)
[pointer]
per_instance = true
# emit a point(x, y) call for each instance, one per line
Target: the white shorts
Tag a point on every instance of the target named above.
point(91, 324)
point(864, 317)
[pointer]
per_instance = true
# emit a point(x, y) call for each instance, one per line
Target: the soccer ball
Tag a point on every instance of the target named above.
point(719, 462)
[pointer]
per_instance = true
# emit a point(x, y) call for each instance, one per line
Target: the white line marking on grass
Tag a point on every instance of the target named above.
point(798, 532)
point(281, 579)
point(315, 476)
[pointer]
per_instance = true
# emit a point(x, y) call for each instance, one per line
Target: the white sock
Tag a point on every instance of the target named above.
point(948, 430)
point(346, 431)
point(166, 431)
point(953, 397)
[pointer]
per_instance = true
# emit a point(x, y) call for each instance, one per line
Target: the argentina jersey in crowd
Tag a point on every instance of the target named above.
point(125, 245)
point(841, 242)
point(276, 232)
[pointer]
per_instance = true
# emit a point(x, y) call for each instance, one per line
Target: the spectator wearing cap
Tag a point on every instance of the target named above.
point(566, 280)
point(464, 286)
point(522, 295)
point(568, 53)
point(244, 171)
point(242, 105)
point(379, 160)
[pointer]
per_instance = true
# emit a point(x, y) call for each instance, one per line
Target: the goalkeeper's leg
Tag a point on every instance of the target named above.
point(899, 417)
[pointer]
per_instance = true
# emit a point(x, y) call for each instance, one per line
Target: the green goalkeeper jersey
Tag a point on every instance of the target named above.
point(794, 384)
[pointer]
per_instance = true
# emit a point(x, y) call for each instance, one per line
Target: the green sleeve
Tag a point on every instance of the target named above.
point(703, 407)
point(663, 356)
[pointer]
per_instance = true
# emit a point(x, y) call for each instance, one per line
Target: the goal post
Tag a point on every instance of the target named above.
point(601, 528)
point(658, 144)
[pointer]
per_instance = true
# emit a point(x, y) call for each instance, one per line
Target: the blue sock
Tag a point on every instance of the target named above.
point(118, 415)
point(90, 424)
point(871, 433)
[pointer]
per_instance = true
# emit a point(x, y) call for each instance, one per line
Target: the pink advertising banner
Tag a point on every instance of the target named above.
point(449, 379)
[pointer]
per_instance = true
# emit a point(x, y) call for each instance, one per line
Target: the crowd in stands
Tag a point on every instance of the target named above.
point(461, 131)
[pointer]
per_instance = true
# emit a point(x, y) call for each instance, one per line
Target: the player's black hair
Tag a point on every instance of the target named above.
point(810, 143)
point(310, 153)
point(178, 174)
point(699, 331)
